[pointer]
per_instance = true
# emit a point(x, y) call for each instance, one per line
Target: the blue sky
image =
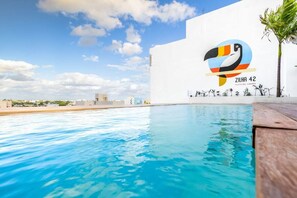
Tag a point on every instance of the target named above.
point(53, 49)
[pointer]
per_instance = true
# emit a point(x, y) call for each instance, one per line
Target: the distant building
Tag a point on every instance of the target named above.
point(133, 101)
point(138, 101)
point(130, 101)
point(102, 99)
point(5, 104)
point(118, 102)
point(103, 103)
point(84, 103)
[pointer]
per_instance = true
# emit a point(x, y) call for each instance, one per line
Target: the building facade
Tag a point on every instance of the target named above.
point(130, 100)
point(101, 97)
point(5, 104)
point(133, 101)
point(118, 102)
point(224, 53)
point(84, 103)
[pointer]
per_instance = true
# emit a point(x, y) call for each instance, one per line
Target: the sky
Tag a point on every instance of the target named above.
point(70, 50)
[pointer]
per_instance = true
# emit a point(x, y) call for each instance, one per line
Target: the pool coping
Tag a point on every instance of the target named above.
point(26, 110)
point(202, 101)
point(275, 142)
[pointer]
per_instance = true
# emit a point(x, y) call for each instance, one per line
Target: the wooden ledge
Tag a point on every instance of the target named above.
point(275, 141)
point(266, 117)
point(276, 163)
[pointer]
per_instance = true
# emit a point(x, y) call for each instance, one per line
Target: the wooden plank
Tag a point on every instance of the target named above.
point(289, 110)
point(276, 163)
point(266, 117)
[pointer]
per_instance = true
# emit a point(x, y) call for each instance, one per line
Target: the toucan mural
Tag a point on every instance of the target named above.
point(229, 59)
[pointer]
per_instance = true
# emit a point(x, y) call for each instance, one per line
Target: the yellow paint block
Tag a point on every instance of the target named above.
point(222, 81)
point(221, 51)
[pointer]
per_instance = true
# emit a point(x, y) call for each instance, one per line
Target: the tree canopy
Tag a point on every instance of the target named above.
point(282, 22)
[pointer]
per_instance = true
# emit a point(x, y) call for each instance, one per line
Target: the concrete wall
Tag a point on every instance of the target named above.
point(130, 101)
point(103, 102)
point(5, 104)
point(242, 100)
point(84, 103)
point(101, 97)
point(178, 68)
point(118, 102)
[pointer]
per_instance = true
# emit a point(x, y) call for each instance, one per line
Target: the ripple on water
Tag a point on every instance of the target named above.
point(172, 151)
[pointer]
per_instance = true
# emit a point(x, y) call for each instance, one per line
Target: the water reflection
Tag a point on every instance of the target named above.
point(230, 148)
point(210, 147)
point(173, 151)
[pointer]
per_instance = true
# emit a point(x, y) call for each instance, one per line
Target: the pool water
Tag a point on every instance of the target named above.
point(166, 151)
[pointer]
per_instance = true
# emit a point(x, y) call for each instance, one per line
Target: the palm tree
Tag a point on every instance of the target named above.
point(283, 24)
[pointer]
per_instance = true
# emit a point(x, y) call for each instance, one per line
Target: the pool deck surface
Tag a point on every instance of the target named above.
point(275, 141)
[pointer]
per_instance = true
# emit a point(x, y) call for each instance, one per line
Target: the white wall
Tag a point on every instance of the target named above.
point(178, 67)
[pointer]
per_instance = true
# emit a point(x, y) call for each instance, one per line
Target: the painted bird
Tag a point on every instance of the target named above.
point(234, 51)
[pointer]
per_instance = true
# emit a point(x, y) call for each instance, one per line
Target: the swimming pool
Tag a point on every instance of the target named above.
point(165, 151)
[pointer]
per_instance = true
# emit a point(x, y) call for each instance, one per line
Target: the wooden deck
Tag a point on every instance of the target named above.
point(275, 141)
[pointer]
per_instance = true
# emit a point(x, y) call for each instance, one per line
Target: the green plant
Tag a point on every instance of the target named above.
point(247, 92)
point(61, 102)
point(283, 24)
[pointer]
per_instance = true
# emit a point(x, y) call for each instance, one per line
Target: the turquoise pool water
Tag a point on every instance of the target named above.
point(168, 151)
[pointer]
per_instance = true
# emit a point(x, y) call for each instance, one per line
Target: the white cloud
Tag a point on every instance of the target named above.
point(115, 45)
point(136, 60)
point(130, 49)
point(91, 58)
point(80, 80)
point(88, 34)
point(86, 41)
point(134, 63)
point(132, 35)
point(125, 48)
point(122, 67)
point(16, 70)
point(88, 30)
point(108, 14)
point(175, 11)
point(63, 86)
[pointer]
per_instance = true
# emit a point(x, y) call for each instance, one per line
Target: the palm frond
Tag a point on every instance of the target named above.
point(282, 21)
